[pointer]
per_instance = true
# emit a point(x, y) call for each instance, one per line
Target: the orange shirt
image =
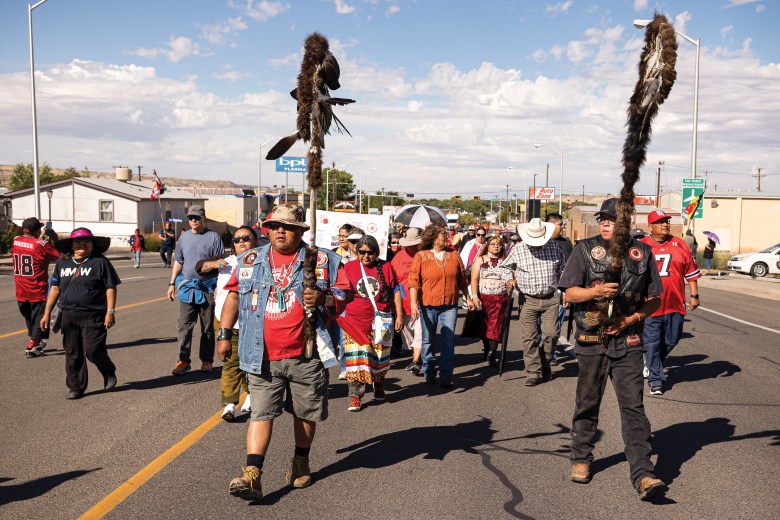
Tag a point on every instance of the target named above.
point(438, 282)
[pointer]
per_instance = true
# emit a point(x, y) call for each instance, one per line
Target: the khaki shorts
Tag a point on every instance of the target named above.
point(297, 385)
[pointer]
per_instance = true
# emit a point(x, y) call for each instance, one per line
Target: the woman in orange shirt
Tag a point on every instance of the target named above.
point(436, 276)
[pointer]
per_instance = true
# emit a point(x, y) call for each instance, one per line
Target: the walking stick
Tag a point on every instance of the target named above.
point(505, 333)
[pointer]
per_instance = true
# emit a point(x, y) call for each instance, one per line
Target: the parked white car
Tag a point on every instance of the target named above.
point(757, 264)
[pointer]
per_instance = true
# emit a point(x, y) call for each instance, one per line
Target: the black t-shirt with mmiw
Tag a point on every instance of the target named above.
point(90, 279)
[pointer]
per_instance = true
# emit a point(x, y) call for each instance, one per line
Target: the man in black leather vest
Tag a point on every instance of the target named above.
point(609, 344)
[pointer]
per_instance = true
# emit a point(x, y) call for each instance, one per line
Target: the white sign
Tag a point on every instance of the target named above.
point(542, 193)
point(329, 222)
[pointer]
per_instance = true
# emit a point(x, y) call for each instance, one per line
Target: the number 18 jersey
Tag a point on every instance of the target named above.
point(676, 266)
point(31, 257)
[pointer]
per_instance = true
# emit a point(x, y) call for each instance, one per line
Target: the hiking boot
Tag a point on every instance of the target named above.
point(299, 474)
point(580, 473)
point(247, 486)
point(109, 381)
point(354, 404)
point(182, 367)
point(650, 487)
point(229, 413)
point(75, 394)
point(206, 366)
point(379, 392)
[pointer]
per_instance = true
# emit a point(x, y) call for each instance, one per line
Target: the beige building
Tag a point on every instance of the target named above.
point(582, 221)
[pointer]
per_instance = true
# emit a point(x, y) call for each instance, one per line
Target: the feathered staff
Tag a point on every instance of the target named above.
point(656, 78)
point(319, 72)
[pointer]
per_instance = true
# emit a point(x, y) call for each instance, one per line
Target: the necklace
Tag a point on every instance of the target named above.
point(279, 290)
point(438, 256)
point(82, 260)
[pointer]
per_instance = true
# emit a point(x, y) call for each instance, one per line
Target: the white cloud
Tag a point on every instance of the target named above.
point(342, 7)
point(260, 11)
point(284, 61)
point(680, 20)
point(558, 8)
point(539, 56)
point(640, 5)
point(414, 106)
point(218, 34)
point(726, 31)
point(760, 8)
point(737, 3)
point(393, 9)
point(179, 47)
point(230, 75)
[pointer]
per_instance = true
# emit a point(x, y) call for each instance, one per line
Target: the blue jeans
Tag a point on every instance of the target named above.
point(708, 263)
point(661, 335)
point(137, 256)
point(445, 316)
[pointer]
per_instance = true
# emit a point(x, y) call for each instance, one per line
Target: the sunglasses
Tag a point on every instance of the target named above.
point(481, 234)
point(241, 238)
point(353, 241)
point(362, 252)
point(286, 227)
point(193, 218)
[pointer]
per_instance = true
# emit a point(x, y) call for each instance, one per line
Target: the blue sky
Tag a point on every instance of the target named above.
point(449, 93)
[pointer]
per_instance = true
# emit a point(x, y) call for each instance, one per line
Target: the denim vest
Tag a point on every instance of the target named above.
point(251, 344)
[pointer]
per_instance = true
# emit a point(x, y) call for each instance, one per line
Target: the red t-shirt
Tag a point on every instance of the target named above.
point(402, 263)
point(676, 266)
point(282, 329)
point(360, 311)
point(31, 257)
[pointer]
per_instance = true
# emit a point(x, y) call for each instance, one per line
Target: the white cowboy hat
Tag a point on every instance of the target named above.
point(536, 233)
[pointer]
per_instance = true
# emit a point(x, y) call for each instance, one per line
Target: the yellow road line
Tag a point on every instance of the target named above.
point(131, 485)
point(24, 331)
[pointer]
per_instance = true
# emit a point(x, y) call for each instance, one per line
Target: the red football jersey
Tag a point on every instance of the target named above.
point(676, 266)
point(31, 258)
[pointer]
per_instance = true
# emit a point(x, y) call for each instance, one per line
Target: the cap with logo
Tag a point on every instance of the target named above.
point(656, 215)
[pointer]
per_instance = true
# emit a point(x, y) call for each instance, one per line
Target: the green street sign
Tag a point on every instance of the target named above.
point(688, 196)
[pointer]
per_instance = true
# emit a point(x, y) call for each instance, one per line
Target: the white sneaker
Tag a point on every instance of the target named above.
point(247, 406)
point(229, 413)
point(343, 376)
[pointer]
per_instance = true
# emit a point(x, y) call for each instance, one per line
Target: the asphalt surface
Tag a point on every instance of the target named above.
point(488, 448)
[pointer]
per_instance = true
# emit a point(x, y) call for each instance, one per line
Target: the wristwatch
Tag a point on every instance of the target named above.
point(224, 334)
point(695, 296)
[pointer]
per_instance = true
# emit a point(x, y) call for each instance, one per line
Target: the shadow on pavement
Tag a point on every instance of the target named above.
point(37, 487)
point(688, 369)
point(141, 341)
point(189, 378)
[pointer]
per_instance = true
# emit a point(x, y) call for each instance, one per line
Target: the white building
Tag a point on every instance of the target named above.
point(108, 207)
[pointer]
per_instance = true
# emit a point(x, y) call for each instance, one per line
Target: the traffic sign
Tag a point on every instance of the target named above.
point(692, 192)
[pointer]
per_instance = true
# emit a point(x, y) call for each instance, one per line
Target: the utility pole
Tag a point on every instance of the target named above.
point(759, 177)
point(583, 194)
point(509, 204)
point(658, 185)
point(139, 172)
point(547, 183)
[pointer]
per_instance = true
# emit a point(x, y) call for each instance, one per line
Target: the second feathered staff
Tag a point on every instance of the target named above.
point(319, 74)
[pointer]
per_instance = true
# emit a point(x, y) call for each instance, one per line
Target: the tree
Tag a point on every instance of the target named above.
point(340, 187)
point(22, 176)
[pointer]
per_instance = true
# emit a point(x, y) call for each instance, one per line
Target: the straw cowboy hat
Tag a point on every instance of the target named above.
point(536, 233)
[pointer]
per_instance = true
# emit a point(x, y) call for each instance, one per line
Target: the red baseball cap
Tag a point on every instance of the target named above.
point(656, 215)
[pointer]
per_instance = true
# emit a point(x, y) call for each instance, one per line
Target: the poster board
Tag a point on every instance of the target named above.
point(329, 222)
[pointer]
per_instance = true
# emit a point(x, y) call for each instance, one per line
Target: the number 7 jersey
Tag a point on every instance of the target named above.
point(31, 257)
point(676, 266)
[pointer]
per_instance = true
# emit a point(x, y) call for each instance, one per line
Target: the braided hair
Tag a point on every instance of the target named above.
point(372, 244)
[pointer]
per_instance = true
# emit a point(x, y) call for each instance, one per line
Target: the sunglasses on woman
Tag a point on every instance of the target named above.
point(241, 238)
point(363, 252)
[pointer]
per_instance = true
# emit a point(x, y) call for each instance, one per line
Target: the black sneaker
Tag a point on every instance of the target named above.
point(431, 380)
point(415, 368)
point(75, 394)
point(656, 390)
point(109, 381)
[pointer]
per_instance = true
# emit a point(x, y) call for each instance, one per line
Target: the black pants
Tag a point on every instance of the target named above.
point(33, 312)
point(165, 255)
point(626, 375)
point(188, 316)
point(84, 337)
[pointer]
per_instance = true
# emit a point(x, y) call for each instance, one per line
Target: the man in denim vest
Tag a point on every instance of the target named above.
point(266, 290)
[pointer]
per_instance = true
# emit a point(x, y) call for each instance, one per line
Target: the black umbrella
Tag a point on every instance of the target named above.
point(505, 333)
point(418, 215)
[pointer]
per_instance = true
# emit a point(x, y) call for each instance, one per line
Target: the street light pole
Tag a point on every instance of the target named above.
point(36, 176)
point(560, 185)
point(49, 194)
point(260, 176)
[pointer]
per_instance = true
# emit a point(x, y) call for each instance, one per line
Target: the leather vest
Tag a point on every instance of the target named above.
point(589, 316)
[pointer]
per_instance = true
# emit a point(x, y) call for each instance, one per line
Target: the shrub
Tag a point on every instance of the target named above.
point(152, 242)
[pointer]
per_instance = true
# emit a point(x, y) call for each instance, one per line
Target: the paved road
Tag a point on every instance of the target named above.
point(490, 448)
